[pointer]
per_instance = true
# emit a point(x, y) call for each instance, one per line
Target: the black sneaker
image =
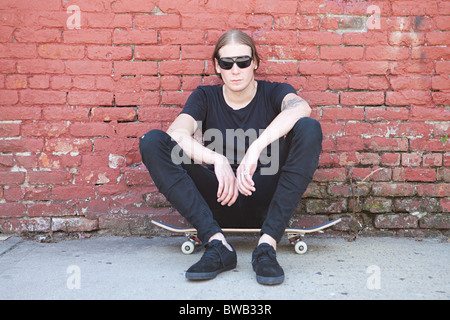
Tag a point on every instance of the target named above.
point(217, 258)
point(265, 264)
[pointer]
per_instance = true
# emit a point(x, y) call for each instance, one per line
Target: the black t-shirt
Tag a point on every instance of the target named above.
point(230, 132)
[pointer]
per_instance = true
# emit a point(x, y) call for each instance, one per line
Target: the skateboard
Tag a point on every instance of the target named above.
point(294, 234)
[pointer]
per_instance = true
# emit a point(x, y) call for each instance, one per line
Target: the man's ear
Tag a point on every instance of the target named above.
point(217, 66)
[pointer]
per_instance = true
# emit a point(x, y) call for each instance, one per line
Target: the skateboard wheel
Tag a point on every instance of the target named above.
point(187, 247)
point(301, 247)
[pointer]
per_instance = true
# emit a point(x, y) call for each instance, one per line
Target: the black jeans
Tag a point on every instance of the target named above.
point(192, 188)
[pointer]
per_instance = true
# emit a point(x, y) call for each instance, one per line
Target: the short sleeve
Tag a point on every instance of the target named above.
point(196, 105)
point(278, 93)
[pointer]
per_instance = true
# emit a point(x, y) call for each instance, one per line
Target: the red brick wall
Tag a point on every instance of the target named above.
point(79, 86)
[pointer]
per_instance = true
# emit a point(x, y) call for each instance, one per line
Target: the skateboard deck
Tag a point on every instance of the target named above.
point(294, 234)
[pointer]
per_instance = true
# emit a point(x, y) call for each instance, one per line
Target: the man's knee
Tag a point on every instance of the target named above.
point(308, 126)
point(152, 144)
point(152, 140)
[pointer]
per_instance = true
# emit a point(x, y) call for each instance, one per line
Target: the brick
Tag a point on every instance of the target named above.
point(17, 51)
point(142, 99)
point(315, 206)
point(39, 82)
point(50, 209)
point(406, 38)
point(125, 6)
point(386, 144)
point(44, 129)
point(349, 144)
point(72, 192)
point(295, 22)
point(378, 205)
point(318, 38)
point(81, 36)
point(433, 190)
point(108, 20)
point(386, 114)
point(10, 210)
point(320, 68)
point(24, 224)
point(440, 83)
point(21, 145)
point(42, 97)
point(68, 145)
point(88, 67)
point(405, 67)
point(321, 98)
point(46, 177)
point(285, 37)
point(412, 8)
point(411, 159)
point(414, 174)
point(431, 53)
point(156, 114)
point(204, 22)
point(441, 98)
point(337, 114)
point(386, 53)
point(362, 98)
point(364, 38)
point(431, 145)
point(366, 67)
point(407, 97)
point(279, 67)
point(8, 97)
point(94, 129)
point(432, 160)
point(341, 53)
point(20, 113)
point(67, 113)
point(438, 38)
point(419, 113)
point(390, 159)
point(11, 178)
point(417, 205)
point(435, 221)
point(109, 53)
point(135, 68)
point(28, 35)
point(395, 221)
point(328, 175)
point(41, 66)
point(76, 224)
point(181, 67)
point(135, 36)
point(158, 21)
point(171, 37)
point(313, 7)
point(113, 114)
point(90, 98)
point(160, 53)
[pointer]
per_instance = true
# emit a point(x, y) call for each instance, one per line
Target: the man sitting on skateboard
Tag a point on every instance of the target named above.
point(260, 151)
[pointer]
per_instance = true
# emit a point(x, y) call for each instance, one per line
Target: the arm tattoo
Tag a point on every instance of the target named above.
point(291, 103)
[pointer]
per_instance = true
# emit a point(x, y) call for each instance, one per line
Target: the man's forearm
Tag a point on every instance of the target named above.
point(193, 149)
point(292, 110)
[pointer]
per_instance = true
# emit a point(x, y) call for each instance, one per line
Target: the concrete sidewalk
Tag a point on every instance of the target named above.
point(142, 268)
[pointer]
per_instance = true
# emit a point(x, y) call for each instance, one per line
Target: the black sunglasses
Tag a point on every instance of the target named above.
point(242, 62)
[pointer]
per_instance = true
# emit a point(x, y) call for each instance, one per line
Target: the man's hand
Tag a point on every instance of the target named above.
point(227, 192)
point(245, 171)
